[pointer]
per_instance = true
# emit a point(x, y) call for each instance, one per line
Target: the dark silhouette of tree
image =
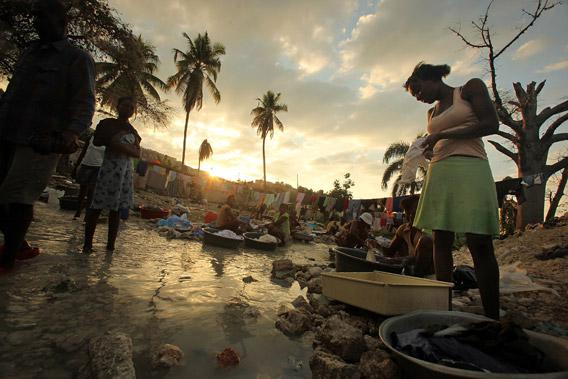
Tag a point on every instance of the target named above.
point(342, 190)
point(129, 71)
point(205, 152)
point(90, 21)
point(264, 118)
point(199, 65)
point(530, 142)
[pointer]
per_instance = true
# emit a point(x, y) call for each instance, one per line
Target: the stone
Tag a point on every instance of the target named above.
point(284, 308)
point(314, 285)
point(228, 358)
point(342, 339)
point(377, 364)
point(293, 323)
point(111, 356)
point(301, 303)
point(249, 279)
point(314, 272)
point(329, 366)
point(167, 356)
point(283, 268)
point(372, 343)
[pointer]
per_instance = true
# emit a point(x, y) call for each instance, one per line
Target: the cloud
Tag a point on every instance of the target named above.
point(558, 66)
point(339, 66)
point(528, 49)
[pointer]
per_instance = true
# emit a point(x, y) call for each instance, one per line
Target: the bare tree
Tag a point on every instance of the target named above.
point(555, 197)
point(531, 145)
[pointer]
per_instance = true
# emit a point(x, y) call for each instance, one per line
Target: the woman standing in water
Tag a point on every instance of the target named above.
point(114, 189)
point(459, 192)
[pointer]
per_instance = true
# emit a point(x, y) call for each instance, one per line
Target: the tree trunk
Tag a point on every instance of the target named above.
point(264, 161)
point(184, 138)
point(557, 196)
point(198, 167)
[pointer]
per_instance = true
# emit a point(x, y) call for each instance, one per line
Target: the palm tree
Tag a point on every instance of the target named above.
point(129, 71)
point(200, 63)
point(394, 157)
point(205, 152)
point(264, 118)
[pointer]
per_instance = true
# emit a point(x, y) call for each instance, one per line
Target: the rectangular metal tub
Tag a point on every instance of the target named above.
point(386, 293)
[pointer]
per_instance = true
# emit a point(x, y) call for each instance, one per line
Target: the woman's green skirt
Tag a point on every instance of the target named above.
point(459, 196)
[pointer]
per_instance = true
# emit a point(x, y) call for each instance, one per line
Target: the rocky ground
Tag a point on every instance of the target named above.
point(345, 339)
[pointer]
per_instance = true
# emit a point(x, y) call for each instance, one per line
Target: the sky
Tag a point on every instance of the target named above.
point(340, 66)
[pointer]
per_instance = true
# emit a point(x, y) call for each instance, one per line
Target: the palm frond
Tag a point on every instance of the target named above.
point(395, 150)
point(390, 171)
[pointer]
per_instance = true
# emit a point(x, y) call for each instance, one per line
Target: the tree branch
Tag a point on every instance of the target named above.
point(508, 136)
point(553, 126)
point(557, 138)
point(507, 120)
point(465, 40)
point(558, 195)
point(502, 149)
point(551, 169)
point(537, 13)
point(548, 112)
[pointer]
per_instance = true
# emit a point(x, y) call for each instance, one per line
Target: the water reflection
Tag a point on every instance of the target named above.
point(157, 291)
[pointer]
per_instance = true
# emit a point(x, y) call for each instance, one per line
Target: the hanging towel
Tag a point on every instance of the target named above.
point(339, 205)
point(396, 203)
point(300, 197)
point(142, 168)
point(331, 204)
point(286, 199)
point(356, 205)
point(389, 205)
point(413, 159)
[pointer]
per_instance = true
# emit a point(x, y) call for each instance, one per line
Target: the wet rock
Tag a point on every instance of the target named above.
point(314, 285)
point(301, 303)
point(167, 356)
point(249, 279)
point(377, 364)
point(343, 339)
point(315, 271)
point(70, 344)
point(317, 299)
point(326, 366)
point(373, 343)
point(283, 268)
point(284, 308)
point(228, 358)
point(111, 356)
point(293, 323)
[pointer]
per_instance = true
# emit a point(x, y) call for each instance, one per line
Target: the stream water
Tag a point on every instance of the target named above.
point(156, 291)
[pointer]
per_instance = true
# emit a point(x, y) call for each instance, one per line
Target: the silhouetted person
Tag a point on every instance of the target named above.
point(114, 188)
point(49, 101)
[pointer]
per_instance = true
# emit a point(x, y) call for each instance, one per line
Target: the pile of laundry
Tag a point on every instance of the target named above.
point(229, 234)
point(488, 346)
point(267, 238)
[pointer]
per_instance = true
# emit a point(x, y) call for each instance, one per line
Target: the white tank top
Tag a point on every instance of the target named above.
point(94, 155)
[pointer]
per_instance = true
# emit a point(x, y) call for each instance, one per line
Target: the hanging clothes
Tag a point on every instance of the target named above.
point(330, 204)
point(321, 201)
point(355, 206)
point(389, 205)
point(142, 168)
point(286, 199)
point(396, 203)
point(345, 204)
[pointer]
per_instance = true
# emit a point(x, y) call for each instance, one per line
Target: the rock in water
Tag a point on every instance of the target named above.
point(377, 364)
point(342, 339)
point(228, 358)
point(283, 268)
point(325, 366)
point(293, 323)
point(167, 356)
point(249, 279)
point(315, 271)
point(111, 356)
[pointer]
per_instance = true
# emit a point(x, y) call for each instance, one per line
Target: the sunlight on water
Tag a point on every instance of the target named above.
point(155, 290)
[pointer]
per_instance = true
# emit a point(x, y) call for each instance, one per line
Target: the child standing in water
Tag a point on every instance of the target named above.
point(114, 187)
